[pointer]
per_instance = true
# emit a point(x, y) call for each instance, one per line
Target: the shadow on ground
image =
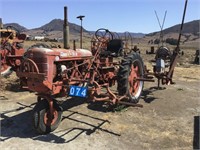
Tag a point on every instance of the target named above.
point(147, 94)
point(20, 125)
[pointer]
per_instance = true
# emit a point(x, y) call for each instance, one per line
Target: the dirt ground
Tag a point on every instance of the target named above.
point(164, 122)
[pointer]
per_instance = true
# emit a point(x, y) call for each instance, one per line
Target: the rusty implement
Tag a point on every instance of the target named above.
point(165, 60)
point(11, 50)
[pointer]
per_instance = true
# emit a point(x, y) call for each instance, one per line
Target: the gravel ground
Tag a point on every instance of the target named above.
point(164, 122)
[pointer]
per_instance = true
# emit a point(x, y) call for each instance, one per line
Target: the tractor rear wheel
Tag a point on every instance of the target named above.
point(130, 70)
point(41, 115)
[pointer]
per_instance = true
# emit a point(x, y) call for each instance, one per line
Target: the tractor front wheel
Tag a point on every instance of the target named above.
point(41, 117)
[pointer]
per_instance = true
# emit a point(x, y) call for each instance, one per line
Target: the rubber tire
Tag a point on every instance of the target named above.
point(38, 117)
point(7, 72)
point(123, 76)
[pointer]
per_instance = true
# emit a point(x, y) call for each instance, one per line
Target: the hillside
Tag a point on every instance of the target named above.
point(57, 25)
point(54, 29)
point(191, 27)
point(16, 26)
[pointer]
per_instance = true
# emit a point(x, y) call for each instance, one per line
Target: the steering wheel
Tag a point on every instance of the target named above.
point(103, 34)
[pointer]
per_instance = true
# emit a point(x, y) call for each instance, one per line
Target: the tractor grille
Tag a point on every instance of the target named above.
point(40, 60)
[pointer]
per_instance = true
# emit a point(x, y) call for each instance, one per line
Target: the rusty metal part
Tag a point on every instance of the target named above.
point(177, 49)
point(11, 50)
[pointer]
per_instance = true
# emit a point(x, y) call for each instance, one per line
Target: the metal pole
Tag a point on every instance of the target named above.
point(66, 30)
point(81, 32)
point(81, 35)
point(177, 49)
point(1, 23)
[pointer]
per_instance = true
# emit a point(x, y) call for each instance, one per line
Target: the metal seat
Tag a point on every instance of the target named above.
point(115, 46)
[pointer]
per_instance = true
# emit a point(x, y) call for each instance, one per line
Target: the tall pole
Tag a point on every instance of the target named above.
point(177, 49)
point(81, 32)
point(81, 36)
point(66, 30)
point(1, 23)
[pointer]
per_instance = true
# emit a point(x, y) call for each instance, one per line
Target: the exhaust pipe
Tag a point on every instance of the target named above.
point(1, 24)
point(66, 30)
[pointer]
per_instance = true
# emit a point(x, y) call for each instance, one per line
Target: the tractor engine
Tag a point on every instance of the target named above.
point(48, 70)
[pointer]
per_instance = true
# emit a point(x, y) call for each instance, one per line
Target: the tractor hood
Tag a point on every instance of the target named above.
point(73, 53)
point(60, 54)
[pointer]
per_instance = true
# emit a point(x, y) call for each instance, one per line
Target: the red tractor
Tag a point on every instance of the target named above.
point(103, 73)
point(11, 50)
point(53, 72)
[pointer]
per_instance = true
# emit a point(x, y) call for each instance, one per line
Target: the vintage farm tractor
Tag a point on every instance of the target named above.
point(11, 49)
point(97, 75)
point(94, 75)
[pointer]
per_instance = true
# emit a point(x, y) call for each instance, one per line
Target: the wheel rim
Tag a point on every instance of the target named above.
point(47, 120)
point(135, 86)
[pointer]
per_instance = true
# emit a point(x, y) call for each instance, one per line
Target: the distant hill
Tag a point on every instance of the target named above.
point(54, 29)
point(57, 25)
point(189, 27)
point(16, 26)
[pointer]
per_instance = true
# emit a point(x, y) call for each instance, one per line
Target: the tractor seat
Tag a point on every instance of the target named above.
point(115, 46)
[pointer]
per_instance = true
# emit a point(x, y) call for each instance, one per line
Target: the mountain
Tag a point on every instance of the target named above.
point(16, 26)
point(191, 27)
point(54, 29)
point(57, 25)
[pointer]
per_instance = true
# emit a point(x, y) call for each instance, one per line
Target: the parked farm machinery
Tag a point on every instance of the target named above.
point(103, 73)
point(11, 49)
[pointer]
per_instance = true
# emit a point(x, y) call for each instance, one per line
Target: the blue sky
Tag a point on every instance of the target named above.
point(116, 15)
